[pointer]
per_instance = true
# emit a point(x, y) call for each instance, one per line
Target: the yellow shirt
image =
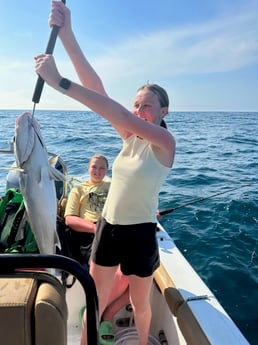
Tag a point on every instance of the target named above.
point(87, 200)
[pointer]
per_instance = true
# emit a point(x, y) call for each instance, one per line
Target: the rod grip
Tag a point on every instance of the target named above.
point(49, 50)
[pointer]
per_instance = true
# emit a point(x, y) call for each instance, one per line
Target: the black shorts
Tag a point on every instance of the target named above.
point(134, 247)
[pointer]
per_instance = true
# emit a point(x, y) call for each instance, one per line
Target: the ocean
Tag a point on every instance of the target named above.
point(212, 190)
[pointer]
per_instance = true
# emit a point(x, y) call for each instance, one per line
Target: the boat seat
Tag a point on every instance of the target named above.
point(190, 326)
point(33, 309)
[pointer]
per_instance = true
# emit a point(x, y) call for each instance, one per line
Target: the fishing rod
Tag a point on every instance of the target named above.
point(49, 50)
point(162, 213)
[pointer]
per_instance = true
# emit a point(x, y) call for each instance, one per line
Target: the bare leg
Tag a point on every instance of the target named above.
point(84, 331)
point(104, 279)
point(116, 305)
point(140, 289)
point(119, 296)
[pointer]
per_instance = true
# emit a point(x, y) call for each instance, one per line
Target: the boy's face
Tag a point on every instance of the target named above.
point(97, 170)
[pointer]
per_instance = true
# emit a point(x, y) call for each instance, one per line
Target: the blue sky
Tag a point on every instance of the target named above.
point(204, 52)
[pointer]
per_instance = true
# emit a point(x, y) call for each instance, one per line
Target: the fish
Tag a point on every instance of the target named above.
point(37, 176)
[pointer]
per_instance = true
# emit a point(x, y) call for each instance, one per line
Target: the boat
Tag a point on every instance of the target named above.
point(37, 307)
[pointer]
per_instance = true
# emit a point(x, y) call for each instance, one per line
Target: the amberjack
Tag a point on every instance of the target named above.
point(36, 181)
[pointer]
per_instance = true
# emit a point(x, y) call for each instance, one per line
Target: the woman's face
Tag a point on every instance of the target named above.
point(147, 106)
point(97, 169)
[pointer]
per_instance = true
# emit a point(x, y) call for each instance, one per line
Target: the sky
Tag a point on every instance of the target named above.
point(203, 52)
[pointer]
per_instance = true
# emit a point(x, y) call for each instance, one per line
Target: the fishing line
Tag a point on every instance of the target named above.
point(162, 213)
point(49, 50)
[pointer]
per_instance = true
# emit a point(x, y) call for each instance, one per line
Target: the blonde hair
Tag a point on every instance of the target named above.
point(99, 156)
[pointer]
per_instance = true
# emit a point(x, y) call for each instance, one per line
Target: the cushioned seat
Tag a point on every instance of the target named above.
point(33, 310)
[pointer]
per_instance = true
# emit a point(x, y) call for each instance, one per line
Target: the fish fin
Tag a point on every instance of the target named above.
point(55, 174)
point(12, 168)
point(53, 160)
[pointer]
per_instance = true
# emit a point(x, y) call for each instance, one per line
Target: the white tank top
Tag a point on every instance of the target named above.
point(137, 176)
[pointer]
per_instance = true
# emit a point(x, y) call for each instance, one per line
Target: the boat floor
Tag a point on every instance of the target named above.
point(163, 324)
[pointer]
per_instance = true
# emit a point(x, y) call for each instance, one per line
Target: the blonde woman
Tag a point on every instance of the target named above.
point(146, 157)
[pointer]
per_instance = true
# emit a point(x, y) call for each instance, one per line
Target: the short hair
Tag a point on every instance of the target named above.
point(99, 156)
point(159, 91)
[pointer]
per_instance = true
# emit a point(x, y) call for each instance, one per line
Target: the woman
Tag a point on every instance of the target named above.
point(83, 210)
point(125, 234)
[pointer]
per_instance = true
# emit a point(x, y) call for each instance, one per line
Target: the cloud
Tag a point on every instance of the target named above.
point(182, 53)
point(225, 44)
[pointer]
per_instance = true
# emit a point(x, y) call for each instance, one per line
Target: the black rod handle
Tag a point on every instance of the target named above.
point(49, 50)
